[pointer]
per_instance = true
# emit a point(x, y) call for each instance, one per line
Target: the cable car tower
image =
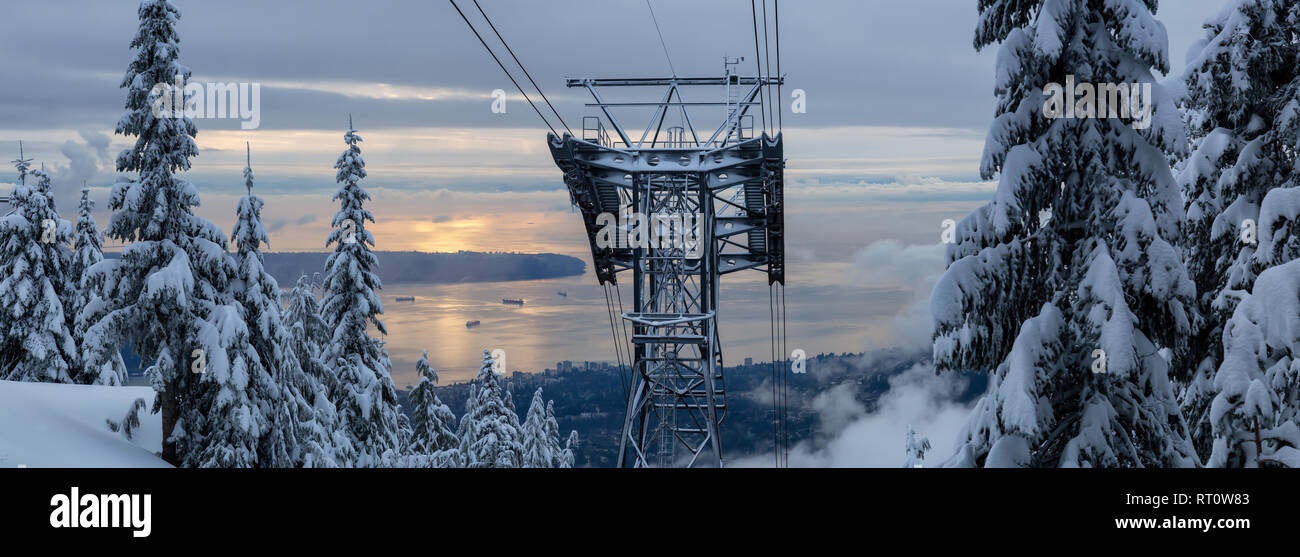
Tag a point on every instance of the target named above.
point(724, 181)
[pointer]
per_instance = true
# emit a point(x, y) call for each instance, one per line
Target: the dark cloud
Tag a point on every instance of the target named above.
point(885, 63)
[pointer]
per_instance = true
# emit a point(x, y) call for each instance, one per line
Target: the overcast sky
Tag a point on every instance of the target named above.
point(898, 104)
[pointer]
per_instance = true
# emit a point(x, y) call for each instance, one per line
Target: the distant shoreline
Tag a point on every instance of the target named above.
point(396, 267)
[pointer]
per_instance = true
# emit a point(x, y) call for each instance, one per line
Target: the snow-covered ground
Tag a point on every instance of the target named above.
point(56, 425)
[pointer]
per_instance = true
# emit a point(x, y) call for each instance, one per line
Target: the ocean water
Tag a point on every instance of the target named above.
point(823, 315)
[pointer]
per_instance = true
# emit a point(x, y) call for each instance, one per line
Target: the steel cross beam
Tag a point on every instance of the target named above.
point(733, 187)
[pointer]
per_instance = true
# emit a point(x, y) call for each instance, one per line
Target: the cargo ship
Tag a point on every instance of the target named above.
point(471, 324)
point(406, 298)
point(512, 301)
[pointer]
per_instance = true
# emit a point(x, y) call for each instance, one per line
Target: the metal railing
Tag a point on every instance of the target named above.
point(593, 130)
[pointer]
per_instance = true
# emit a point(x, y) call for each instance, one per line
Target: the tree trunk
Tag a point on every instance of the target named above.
point(169, 423)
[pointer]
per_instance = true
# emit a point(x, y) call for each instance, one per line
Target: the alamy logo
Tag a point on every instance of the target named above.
point(102, 511)
point(656, 231)
point(1099, 100)
point(232, 100)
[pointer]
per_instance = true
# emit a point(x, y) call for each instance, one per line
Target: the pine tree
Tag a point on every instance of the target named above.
point(1066, 286)
point(225, 422)
point(916, 449)
point(491, 437)
point(365, 396)
point(294, 435)
point(1241, 90)
point(311, 333)
point(431, 420)
point(35, 341)
point(24, 165)
point(89, 252)
point(308, 338)
point(463, 426)
point(167, 292)
point(567, 456)
point(541, 450)
point(1255, 414)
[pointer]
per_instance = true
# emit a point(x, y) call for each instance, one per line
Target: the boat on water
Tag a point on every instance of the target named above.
point(406, 298)
point(565, 294)
point(513, 301)
point(471, 324)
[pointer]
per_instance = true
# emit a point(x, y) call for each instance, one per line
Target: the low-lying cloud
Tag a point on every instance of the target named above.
point(848, 435)
point(890, 263)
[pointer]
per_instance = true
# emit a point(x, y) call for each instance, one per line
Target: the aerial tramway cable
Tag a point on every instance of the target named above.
point(785, 384)
point(503, 68)
point(767, 65)
point(521, 66)
point(758, 63)
point(661, 38)
point(780, 100)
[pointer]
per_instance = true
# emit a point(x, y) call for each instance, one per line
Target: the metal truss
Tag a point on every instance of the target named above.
point(733, 185)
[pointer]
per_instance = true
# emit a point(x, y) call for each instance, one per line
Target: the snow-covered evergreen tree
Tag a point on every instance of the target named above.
point(1255, 414)
point(541, 443)
point(1241, 99)
point(36, 343)
point(364, 395)
point(568, 456)
point(463, 426)
point(491, 437)
point(294, 436)
point(311, 333)
point(431, 420)
point(916, 449)
point(23, 164)
point(167, 293)
point(89, 251)
point(510, 396)
point(1066, 287)
point(565, 458)
point(404, 433)
point(308, 339)
point(224, 422)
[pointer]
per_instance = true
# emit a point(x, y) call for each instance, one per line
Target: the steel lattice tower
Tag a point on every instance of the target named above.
point(730, 184)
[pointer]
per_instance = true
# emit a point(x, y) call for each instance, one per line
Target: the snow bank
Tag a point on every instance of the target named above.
point(60, 425)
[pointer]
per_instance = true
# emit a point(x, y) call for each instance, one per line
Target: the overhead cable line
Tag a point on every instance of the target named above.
point(503, 68)
point(758, 62)
point(767, 64)
point(521, 66)
point(780, 99)
point(661, 38)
